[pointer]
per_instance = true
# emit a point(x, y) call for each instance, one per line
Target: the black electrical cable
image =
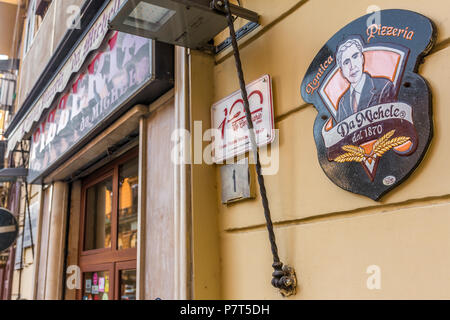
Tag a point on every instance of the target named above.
point(283, 278)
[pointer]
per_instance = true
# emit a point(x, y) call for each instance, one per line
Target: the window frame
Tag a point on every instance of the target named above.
point(90, 260)
point(36, 8)
point(30, 31)
point(86, 185)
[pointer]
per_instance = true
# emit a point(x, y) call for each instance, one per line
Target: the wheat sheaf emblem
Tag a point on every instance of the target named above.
point(380, 147)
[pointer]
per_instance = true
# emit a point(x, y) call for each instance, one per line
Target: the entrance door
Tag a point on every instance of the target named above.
point(108, 233)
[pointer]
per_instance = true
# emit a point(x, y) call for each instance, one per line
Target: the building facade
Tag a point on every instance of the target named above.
point(83, 113)
point(115, 217)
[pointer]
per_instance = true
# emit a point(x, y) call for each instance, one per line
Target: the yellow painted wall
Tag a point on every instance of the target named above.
point(331, 236)
point(206, 268)
point(7, 22)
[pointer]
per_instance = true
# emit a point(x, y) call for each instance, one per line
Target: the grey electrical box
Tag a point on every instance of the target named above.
point(236, 182)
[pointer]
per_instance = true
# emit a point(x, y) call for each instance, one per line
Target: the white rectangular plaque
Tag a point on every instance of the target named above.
point(228, 117)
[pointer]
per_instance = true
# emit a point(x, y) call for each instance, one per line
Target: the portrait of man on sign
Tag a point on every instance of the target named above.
point(364, 90)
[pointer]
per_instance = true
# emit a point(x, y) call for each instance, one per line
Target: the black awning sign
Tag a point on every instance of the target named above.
point(8, 229)
point(374, 121)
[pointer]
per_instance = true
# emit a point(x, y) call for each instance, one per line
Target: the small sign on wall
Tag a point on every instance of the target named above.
point(34, 214)
point(19, 256)
point(236, 182)
point(229, 119)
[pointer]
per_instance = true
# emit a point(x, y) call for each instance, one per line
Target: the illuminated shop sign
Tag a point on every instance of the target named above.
point(374, 121)
point(121, 67)
point(90, 42)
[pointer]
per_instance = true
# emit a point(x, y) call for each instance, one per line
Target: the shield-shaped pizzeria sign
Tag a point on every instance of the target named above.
point(374, 121)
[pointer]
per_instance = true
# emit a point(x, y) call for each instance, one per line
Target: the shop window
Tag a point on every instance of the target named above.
point(126, 280)
point(108, 233)
point(128, 199)
point(98, 215)
point(97, 285)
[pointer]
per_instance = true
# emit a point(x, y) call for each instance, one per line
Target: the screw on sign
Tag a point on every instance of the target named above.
point(8, 229)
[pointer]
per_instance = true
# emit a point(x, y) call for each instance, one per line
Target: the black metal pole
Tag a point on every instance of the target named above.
point(283, 277)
